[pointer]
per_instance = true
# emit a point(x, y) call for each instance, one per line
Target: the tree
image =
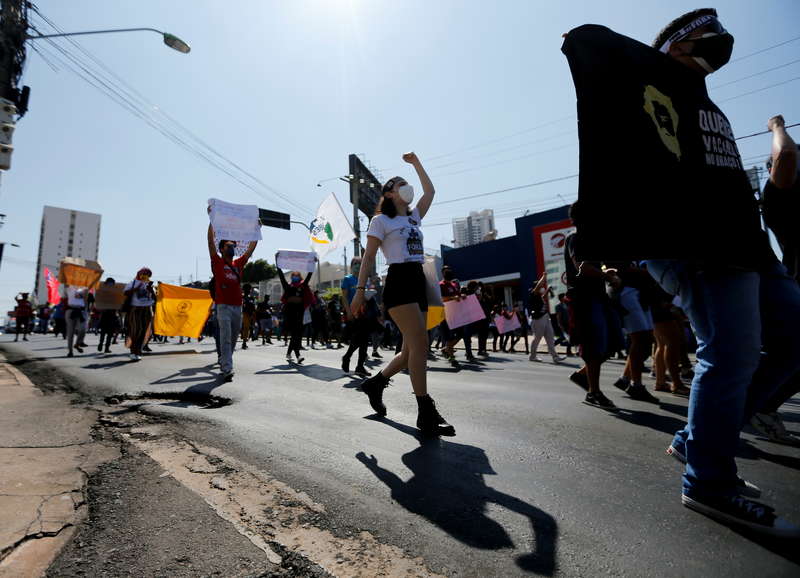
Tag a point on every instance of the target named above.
point(258, 270)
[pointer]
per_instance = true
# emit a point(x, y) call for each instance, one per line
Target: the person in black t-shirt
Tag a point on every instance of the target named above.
point(653, 102)
point(248, 313)
point(781, 208)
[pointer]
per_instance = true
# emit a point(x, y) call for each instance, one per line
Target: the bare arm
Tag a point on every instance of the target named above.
point(427, 186)
point(784, 154)
point(308, 277)
point(212, 249)
point(367, 263)
point(249, 253)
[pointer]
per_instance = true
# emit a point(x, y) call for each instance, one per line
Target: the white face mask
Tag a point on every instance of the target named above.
point(406, 193)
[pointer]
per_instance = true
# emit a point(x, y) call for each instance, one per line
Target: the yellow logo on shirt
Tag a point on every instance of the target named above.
point(659, 106)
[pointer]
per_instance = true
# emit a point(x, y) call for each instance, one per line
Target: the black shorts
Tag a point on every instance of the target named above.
point(405, 283)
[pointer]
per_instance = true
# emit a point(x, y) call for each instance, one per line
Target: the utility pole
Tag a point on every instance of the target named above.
point(13, 33)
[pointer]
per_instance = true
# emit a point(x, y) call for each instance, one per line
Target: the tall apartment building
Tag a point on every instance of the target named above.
point(473, 229)
point(64, 233)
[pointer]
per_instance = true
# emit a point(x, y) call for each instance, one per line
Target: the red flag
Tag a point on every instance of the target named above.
point(52, 287)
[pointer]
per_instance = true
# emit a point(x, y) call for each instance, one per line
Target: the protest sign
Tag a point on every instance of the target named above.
point(303, 261)
point(77, 272)
point(234, 222)
point(109, 297)
point(464, 312)
point(506, 325)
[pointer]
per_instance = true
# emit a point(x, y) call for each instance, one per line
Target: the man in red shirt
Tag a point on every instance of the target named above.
point(24, 313)
point(227, 293)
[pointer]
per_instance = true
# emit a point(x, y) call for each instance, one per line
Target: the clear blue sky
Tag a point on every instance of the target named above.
point(288, 89)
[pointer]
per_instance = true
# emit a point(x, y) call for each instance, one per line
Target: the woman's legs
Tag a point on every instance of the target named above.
point(414, 354)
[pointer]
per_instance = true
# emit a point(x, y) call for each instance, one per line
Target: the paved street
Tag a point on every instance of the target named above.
point(536, 482)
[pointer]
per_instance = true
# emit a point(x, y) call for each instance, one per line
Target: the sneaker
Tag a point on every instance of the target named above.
point(376, 354)
point(744, 487)
point(430, 421)
point(579, 379)
point(99, 348)
point(362, 371)
point(70, 354)
point(133, 357)
point(107, 350)
point(147, 349)
point(639, 392)
point(300, 360)
point(79, 349)
point(374, 387)
point(598, 399)
point(471, 358)
point(227, 377)
point(536, 358)
point(770, 425)
point(622, 383)
point(740, 511)
point(244, 345)
point(559, 359)
point(288, 359)
point(346, 365)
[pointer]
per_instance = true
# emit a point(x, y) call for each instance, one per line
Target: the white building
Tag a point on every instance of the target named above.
point(64, 233)
point(473, 229)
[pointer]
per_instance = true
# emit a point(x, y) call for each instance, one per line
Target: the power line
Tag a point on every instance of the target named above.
point(756, 74)
point(129, 96)
point(761, 89)
point(765, 49)
point(517, 188)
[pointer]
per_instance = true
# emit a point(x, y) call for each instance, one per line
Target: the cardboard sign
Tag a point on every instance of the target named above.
point(109, 297)
point(303, 261)
point(464, 312)
point(506, 325)
point(77, 272)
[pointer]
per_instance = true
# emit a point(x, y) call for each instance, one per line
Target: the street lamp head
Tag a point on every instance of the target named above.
point(176, 43)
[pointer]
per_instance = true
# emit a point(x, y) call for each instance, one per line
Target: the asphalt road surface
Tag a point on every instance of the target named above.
point(535, 482)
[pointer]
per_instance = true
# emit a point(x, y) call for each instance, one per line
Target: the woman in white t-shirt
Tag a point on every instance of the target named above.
point(140, 315)
point(396, 230)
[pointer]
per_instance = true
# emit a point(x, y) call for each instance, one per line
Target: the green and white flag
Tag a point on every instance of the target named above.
point(330, 229)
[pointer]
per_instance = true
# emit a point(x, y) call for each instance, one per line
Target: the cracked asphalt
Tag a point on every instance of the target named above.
point(535, 482)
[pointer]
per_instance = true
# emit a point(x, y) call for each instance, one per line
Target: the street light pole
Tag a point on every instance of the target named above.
point(2, 248)
point(169, 39)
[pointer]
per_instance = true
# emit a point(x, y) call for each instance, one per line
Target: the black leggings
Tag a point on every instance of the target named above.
point(293, 324)
point(359, 336)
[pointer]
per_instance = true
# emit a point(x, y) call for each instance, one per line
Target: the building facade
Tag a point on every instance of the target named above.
point(64, 233)
point(473, 229)
point(511, 265)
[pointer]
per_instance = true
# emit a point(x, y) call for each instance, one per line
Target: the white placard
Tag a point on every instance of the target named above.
point(234, 222)
point(303, 261)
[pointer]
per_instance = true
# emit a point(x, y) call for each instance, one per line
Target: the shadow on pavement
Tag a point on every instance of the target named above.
point(663, 423)
point(449, 490)
point(109, 365)
point(186, 375)
point(749, 451)
point(680, 410)
point(313, 370)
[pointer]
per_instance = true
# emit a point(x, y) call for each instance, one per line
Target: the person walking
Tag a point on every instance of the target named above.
point(358, 323)
point(227, 295)
point(140, 313)
point(296, 298)
point(109, 324)
point(264, 319)
point(396, 231)
point(248, 313)
point(542, 326)
point(75, 317)
point(24, 315)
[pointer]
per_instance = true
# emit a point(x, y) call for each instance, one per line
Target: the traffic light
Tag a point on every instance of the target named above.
point(8, 115)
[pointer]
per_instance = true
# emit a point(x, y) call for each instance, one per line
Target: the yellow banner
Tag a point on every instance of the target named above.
point(435, 316)
point(181, 311)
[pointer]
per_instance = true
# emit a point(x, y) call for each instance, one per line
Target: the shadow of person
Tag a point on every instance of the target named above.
point(204, 388)
point(663, 423)
point(448, 489)
point(185, 375)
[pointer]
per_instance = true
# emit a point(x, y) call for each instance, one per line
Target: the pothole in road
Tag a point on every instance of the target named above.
point(188, 398)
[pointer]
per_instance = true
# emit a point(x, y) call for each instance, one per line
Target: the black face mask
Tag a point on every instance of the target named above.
point(713, 52)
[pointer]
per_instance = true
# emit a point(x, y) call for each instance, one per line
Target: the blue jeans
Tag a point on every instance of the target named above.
point(737, 316)
point(229, 321)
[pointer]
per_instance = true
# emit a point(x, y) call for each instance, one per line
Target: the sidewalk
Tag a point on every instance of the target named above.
point(46, 456)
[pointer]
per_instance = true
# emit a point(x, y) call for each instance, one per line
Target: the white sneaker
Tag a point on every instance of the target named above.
point(536, 358)
point(770, 425)
point(134, 357)
point(559, 358)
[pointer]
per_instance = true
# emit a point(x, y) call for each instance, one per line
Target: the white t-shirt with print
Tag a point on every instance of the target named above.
point(401, 239)
point(141, 296)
